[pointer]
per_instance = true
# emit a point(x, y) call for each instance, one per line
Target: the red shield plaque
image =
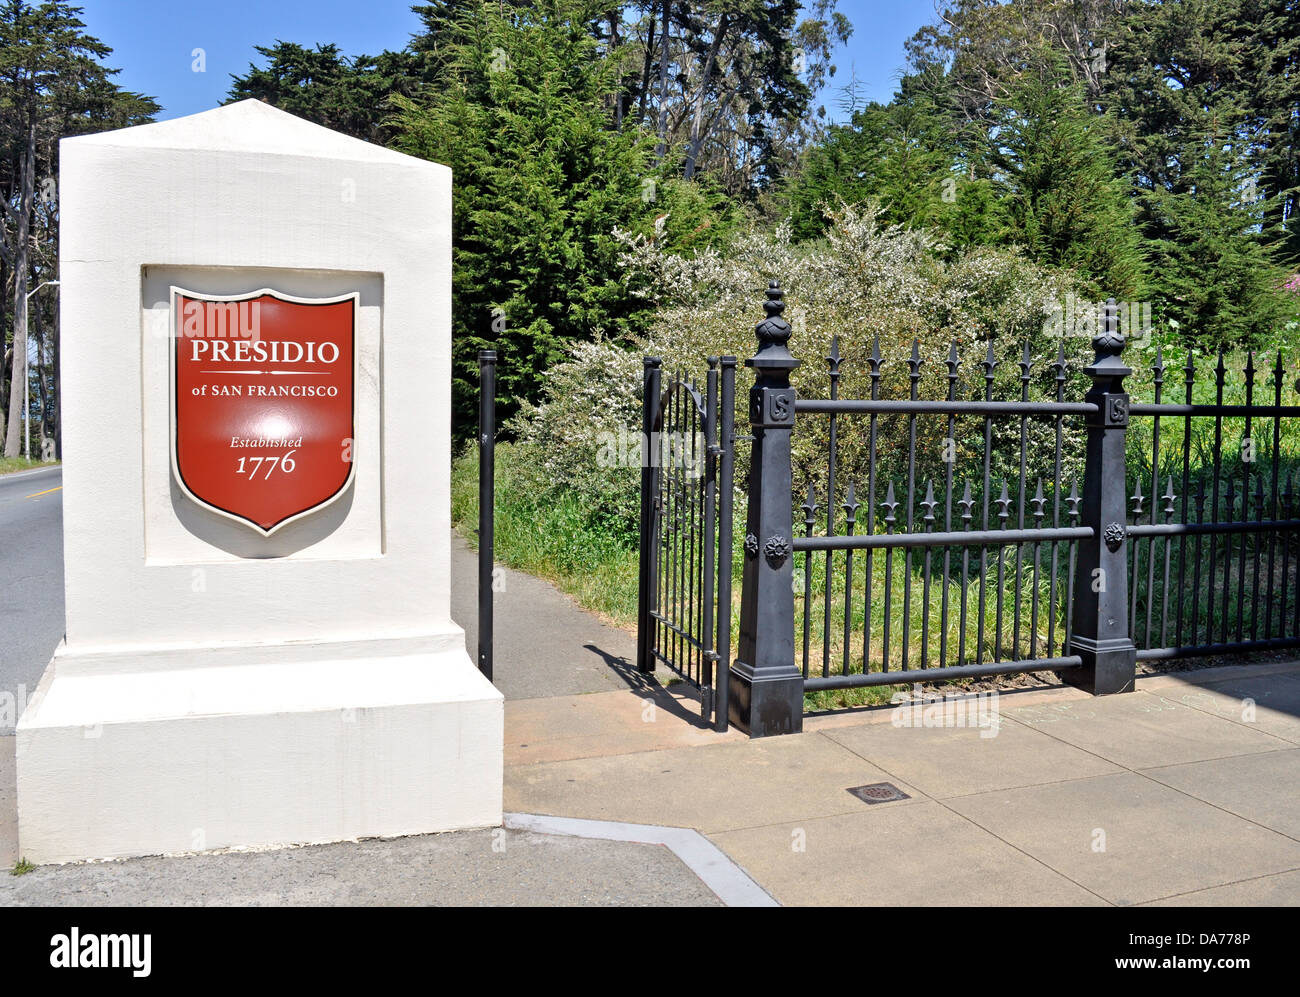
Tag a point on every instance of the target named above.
point(263, 390)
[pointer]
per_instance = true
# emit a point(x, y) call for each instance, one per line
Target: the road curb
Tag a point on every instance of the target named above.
point(732, 884)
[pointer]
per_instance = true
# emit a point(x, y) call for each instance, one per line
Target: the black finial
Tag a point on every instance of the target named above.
point(851, 505)
point(773, 333)
point(1039, 501)
point(773, 330)
point(989, 363)
point(929, 503)
point(967, 505)
point(1108, 345)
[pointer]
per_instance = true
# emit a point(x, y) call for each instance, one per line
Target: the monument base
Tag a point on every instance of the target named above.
point(249, 747)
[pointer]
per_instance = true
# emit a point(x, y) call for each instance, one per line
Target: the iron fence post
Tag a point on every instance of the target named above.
point(650, 399)
point(766, 689)
point(487, 431)
point(727, 442)
point(711, 671)
point(1100, 628)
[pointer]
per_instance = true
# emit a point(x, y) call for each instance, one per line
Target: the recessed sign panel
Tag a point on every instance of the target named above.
point(263, 388)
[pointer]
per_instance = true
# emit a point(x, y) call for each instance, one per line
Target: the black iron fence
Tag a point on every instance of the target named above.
point(1033, 541)
point(958, 575)
point(1212, 528)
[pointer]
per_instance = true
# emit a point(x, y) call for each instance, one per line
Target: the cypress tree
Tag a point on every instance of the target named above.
point(1064, 199)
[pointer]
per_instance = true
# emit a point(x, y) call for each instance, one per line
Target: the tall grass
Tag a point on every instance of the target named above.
point(561, 538)
point(8, 465)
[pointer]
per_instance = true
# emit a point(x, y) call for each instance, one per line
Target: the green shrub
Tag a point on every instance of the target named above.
point(865, 280)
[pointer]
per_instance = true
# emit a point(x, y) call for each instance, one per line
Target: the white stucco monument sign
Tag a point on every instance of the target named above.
point(256, 322)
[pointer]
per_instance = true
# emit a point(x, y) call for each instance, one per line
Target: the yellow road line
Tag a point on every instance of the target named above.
point(46, 492)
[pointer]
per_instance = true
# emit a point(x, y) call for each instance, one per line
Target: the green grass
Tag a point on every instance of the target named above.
point(1011, 612)
point(21, 868)
point(556, 538)
point(10, 465)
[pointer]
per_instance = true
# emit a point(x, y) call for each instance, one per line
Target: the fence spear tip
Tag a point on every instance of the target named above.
point(809, 506)
point(990, 361)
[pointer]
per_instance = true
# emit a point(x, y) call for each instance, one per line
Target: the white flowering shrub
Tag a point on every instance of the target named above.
point(585, 438)
point(865, 281)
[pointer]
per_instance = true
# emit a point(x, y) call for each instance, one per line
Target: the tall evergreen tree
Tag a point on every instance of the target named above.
point(1215, 274)
point(1199, 118)
point(1057, 175)
point(908, 155)
point(542, 181)
point(323, 85)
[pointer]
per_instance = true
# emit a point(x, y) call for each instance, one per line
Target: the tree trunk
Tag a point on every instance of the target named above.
point(619, 95)
point(13, 434)
point(697, 132)
point(661, 148)
point(645, 73)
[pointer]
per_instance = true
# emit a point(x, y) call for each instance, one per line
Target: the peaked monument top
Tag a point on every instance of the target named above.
point(247, 126)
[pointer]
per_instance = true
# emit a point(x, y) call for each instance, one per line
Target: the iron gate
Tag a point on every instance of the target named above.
point(684, 585)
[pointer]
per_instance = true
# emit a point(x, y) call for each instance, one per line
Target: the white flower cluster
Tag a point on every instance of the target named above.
point(864, 280)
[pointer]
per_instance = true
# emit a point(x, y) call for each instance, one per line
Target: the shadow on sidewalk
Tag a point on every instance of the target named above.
point(679, 699)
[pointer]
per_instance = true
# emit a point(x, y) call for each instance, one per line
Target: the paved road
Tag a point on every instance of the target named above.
point(31, 575)
point(492, 867)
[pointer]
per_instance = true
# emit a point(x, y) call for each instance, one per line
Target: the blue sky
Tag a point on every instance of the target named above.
point(153, 40)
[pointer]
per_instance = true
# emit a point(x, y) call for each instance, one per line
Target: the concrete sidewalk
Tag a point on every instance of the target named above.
point(493, 867)
point(1181, 793)
point(1185, 792)
point(544, 643)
